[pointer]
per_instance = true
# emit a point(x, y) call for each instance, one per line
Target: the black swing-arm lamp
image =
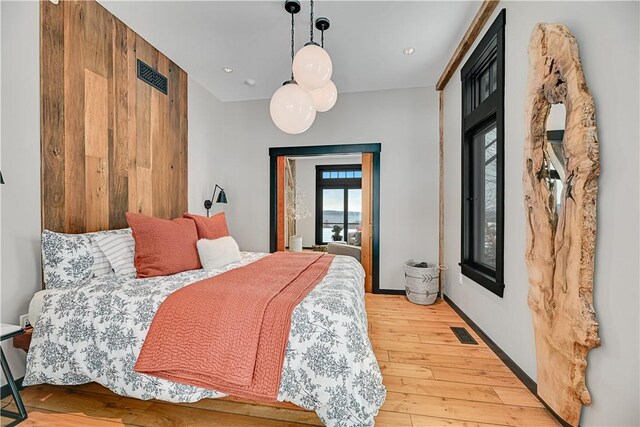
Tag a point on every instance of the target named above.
point(222, 198)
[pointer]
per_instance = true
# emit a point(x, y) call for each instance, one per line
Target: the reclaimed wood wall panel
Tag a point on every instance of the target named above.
point(110, 143)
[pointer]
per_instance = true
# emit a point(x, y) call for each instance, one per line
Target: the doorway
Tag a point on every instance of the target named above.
point(367, 228)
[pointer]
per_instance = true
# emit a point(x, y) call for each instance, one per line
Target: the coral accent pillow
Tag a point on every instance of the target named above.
point(163, 246)
point(210, 228)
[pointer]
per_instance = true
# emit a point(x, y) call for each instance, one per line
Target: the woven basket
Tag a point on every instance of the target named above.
point(421, 282)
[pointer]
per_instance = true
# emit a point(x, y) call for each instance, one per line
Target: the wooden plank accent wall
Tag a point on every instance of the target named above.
point(110, 143)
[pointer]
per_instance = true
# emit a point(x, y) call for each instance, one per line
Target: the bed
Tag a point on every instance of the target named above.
point(94, 333)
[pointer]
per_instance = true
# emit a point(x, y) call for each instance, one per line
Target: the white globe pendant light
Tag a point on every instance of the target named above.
point(292, 108)
point(312, 67)
point(325, 98)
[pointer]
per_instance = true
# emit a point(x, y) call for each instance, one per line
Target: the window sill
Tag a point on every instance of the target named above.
point(483, 279)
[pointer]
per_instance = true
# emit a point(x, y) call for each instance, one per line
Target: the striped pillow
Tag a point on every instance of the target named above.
point(119, 250)
point(101, 264)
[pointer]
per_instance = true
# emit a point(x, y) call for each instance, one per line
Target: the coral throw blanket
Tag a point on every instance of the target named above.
point(229, 333)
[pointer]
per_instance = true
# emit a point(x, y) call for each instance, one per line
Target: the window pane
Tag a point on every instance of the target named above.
point(326, 175)
point(332, 214)
point(350, 174)
point(488, 81)
point(494, 76)
point(334, 174)
point(355, 213)
point(357, 174)
point(485, 195)
point(342, 174)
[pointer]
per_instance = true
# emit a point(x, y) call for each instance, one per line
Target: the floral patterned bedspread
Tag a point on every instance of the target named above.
point(95, 332)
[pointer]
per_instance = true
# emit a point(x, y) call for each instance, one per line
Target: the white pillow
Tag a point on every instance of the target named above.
point(216, 253)
point(119, 250)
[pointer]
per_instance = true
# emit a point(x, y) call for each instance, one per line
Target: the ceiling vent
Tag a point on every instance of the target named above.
point(152, 77)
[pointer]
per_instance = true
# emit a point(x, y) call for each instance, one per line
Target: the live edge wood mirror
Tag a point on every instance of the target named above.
point(560, 187)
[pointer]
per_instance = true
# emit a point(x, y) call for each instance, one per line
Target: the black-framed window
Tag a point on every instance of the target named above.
point(338, 202)
point(482, 246)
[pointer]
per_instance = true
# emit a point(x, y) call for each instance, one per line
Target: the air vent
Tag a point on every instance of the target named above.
point(152, 77)
point(463, 335)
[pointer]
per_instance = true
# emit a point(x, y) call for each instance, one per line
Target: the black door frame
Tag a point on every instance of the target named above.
point(323, 150)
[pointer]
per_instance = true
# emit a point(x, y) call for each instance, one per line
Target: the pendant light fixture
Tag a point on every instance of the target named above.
point(325, 97)
point(292, 107)
point(312, 65)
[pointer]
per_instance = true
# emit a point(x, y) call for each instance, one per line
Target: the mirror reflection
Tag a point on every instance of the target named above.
point(554, 159)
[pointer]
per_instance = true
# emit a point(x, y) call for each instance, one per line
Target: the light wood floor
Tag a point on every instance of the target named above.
point(431, 380)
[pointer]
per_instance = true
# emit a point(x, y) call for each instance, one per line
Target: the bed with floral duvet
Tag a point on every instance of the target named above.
point(94, 333)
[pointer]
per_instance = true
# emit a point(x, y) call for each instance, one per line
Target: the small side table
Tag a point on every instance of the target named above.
point(10, 331)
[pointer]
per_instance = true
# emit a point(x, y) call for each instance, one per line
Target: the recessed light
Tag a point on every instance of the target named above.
point(408, 50)
point(227, 69)
point(250, 82)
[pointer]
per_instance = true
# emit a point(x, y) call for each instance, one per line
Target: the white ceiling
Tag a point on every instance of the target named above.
point(365, 40)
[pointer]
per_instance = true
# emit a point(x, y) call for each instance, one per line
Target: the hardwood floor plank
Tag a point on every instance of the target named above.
point(517, 396)
point(437, 388)
point(466, 410)
point(381, 355)
point(423, 421)
point(375, 336)
point(435, 349)
point(405, 370)
point(393, 419)
point(447, 360)
point(40, 417)
point(104, 407)
point(476, 376)
point(163, 414)
point(257, 410)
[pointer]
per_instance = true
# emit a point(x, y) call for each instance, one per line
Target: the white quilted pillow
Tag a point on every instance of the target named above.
point(216, 253)
point(119, 250)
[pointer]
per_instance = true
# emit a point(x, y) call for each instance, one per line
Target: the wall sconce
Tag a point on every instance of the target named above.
point(1, 178)
point(222, 198)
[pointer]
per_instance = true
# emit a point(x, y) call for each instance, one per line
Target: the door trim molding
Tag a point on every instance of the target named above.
point(319, 150)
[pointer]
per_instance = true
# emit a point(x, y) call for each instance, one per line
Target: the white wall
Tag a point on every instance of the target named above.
point(306, 183)
point(404, 121)
point(608, 36)
point(20, 148)
point(205, 123)
point(20, 153)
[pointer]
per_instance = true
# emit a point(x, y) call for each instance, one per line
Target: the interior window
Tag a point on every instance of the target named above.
point(483, 161)
point(338, 203)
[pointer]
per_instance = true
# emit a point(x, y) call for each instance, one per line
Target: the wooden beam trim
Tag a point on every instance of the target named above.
point(478, 23)
point(441, 188)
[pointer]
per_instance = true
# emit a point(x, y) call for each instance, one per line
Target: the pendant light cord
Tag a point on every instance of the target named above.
point(322, 39)
point(292, 42)
point(311, 23)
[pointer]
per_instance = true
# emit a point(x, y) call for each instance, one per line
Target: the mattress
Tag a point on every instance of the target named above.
point(35, 306)
point(94, 333)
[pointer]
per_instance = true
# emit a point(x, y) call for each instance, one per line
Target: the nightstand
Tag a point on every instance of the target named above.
point(10, 331)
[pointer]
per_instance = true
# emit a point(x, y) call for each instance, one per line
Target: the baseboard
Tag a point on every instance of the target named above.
point(513, 366)
point(6, 390)
point(390, 291)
